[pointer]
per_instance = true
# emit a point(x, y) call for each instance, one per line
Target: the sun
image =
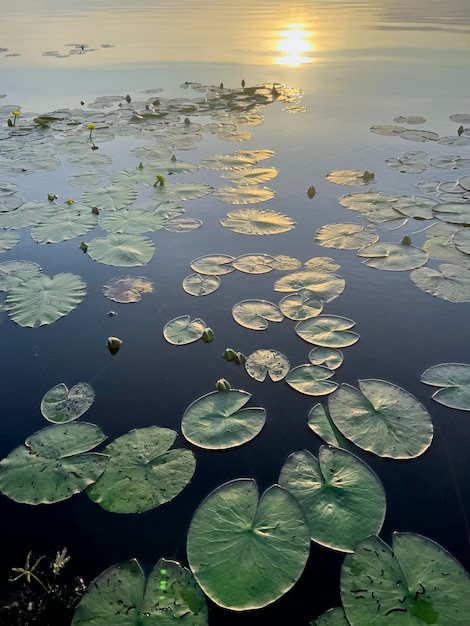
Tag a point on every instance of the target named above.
point(294, 44)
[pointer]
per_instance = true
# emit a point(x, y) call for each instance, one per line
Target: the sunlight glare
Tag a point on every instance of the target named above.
point(294, 43)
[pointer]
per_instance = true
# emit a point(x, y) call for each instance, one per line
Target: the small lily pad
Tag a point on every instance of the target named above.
point(311, 380)
point(454, 380)
point(345, 236)
point(255, 314)
point(182, 330)
point(61, 405)
point(300, 306)
point(13, 273)
point(329, 357)
point(328, 331)
point(213, 264)
point(267, 362)
point(200, 285)
point(127, 289)
point(183, 224)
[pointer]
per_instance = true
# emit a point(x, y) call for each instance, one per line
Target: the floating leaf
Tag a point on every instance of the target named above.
point(251, 175)
point(67, 223)
point(322, 264)
point(350, 177)
point(454, 378)
point(142, 472)
point(183, 224)
point(332, 617)
point(418, 135)
point(256, 314)
point(213, 264)
point(261, 363)
point(285, 263)
point(450, 162)
point(329, 357)
point(270, 532)
point(257, 222)
point(244, 194)
point(418, 583)
point(27, 214)
point(322, 425)
point(342, 498)
point(199, 285)
point(449, 282)
point(375, 206)
point(328, 331)
point(121, 249)
point(345, 236)
point(44, 299)
point(319, 285)
point(133, 221)
point(183, 329)
point(418, 207)
point(110, 198)
point(228, 161)
point(254, 263)
point(54, 464)
point(122, 595)
point(393, 257)
point(13, 273)
point(8, 241)
point(300, 306)
point(178, 192)
point(311, 380)
point(408, 163)
point(218, 421)
point(409, 119)
point(382, 418)
point(61, 405)
point(453, 212)
point(127, 289)
point(439, 243)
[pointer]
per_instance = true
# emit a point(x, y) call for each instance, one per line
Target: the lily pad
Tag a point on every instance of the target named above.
point(319, 285)
point(110, 198)
point(8, 241)
point(322, 264)
point(417, 583)
point(322, 425)
point(42, 299)
point(13, 273)
point(407, 163)
point(228, 161)
point(342, 498)
point(332, 617)
point(68, 222)
point(300, 306)
point(382, 418)
point(182, 330)
point(351, 177)
point(439, 242)
point(262, 363)
point(251, 175)
point(285, 263)
point(183, 224)
point(311, 380)
point(255, 314)
point(200, 285)
point(123, 595)
point(127, 289)
point(393, 257)
point(345, 236)
point(132, 221)
point(454, 380)
point(54, 464)
point(254, 263)
point(270, 532)
point(258, 222)
point(329, 357)
point(121, 249)
point(178, 192)
point(418, 207)
point(213, 264)
point(453, 212)
point(449, 282)
point(218, 421)
point(328, 331)
point(61, 405)
point(142, 472)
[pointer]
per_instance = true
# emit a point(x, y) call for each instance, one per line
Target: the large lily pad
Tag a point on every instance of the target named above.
point(382, 418)
point(182, 330)
point(449, 282)
point(254, 263)
point(328, 331)
point(13, 273)
point(251, 175)
point(311, 380)
point(393, 257)
point(300, 306)
point(218, 420)
point(42, 299)
point(61, 405)
point(110, 198)
point(345, 236)
point(54, 464)
point(256, 314)
point(68, 222)
point(245, 551)
point(454, 380)
point(418, 583)
point(267, 362)
point(319, 285)
point(123, 595)
point(342, 498)
point(132, 221)
point(121, 249)
point(142, 472)
point(258, 222)
point(200, 285)
point(244, 194)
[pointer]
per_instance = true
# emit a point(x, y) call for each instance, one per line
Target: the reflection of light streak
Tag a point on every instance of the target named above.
point(294, 44)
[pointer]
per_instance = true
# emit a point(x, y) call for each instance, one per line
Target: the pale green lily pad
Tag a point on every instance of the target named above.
point(127, 289)
point(54, 464)
point(8, 241)
point(27, 214)
point(67, 223)
point(255, 314)
point(285, 263)
point(244, 194)
point(342, 498)
point(110, 198)
point(332, 617)
point(345, 236)
point(183, 224)
point(218, 421)
point(228, 161)
point(61, 405)
point(449, 162)
point(375, 206)
point(328, 331)
point(267, 362)
point(142, 472)
point(7, 187)
point(406, 164)
point(454, 378)
point(123, 595)
point(10, 203)
point(418, 207)
point(121, 249)
point(87, 179)
point(300, 306)
point(182, 330)
point(200, 285)
point(213, 264)
point(418, 583)
point(13, 273)
point(382, 418)
point(42, 299)
point(351, 177)
point(133, 221)
point(461, 240)
point(418, 135)
point(258, 222)
point(311, 380)
point(409, 119)
point(254, 263)
point(173, 166)
point(453, 212)
point(322, 264)
point(270, 532)
point(464, 181)
point(178, 192)
point(329, 357)
point(322, 425)
point(439, 242)
point(319, 285)
point(393, 257)
point(449, 282)
point(251, 175)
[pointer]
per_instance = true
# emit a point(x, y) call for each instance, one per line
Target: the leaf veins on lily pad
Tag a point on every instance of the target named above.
point(200, 285)
point(213, 264)
point(454, 380)
point(328, 331)
point(182, 330)
point(13, 273)
point(121, 249)
point(317, 285)
point(351, 177)
point(244, 194)
point(393, 257)
point(127, 289)
point(311, 380)
point(110, 198)
point(258, 222)
point(449, 282)
point(256, 314)
point(345, 236)
point(8, 241)
point(61, 405)
point(267, 362)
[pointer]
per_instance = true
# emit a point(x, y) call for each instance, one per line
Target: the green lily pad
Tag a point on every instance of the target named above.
point(417, 207)
point(407, 163)
point(454, 378)
point(54, 464)
point(322, 264)
point(132, 221)
point(87, 179)
point(319, 285)
point(178, 192)
point(245, 551)
point(182, 330)
point(285, 263)
point(439, 243)
point(449, 282)
point(258, 222)
point(329, 357)
point(142, 472)
point(213, 264)
point(393, 257)
point(68, 222)
point(121, 249)
point(7, 187)
point(61, 405)
point(327, 331)
point(351, 177)
point(461, 240)
point(123, 595)
point(345, 236)
point(27, 214)
point(254, 263)
point(300, 306)
point(13, 273)
point(342, 498)
point(375, 206)
point(262, 363)
point(311, 380)
point(453, 212)
point(42, 299)
point(322, 425)
point(218, 421)
point(183, 224)
point(251, 175)
point(255, 314)
point(332, 617)
point(8, 241)
point(127, 289)
point(228, 161)
point(110, 198)
point(450, 162)
point(382, 418)
point(417, 583)
point(200, 285)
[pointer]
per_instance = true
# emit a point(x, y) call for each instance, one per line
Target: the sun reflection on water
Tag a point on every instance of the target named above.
point(295, 44)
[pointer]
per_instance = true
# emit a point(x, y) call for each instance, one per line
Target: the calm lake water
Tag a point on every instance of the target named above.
point(358, 64)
